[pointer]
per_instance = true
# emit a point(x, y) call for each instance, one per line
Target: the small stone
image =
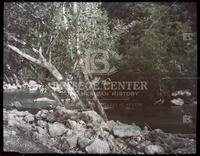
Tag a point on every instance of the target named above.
point(44, 113)
point(133, 142)
point(38, 115)
point(178, 101)
point(104, 126)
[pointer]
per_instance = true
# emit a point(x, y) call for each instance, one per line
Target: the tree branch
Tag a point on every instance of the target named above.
point(28, 57)
point(22, 42)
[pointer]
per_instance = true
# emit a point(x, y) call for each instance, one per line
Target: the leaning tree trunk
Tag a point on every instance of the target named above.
point(53, 93)
point(53, 70)
point(94, 99)
point(6, 79)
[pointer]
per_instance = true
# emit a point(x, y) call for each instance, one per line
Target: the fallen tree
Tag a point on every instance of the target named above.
point(53, 70)
point(59, 42)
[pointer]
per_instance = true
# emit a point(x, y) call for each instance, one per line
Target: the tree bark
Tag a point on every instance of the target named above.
point(94, 99)
point(53, 70)
point(53, 93)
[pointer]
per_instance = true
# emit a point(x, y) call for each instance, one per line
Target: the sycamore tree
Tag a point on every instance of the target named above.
point(51, 39)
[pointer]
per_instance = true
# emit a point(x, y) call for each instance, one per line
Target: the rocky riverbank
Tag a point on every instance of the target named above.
point(72, 131)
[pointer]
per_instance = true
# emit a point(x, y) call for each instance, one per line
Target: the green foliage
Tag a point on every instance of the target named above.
point(149, 36)
point(156, 43)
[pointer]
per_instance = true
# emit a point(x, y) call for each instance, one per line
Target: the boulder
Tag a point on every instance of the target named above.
point(32, 82)
point(154, 149)
point(72, 141)
point(42, 123)
point(51, 117)
point(75, 125)
point(91, 117)
point(98, 146)
point(13, 120)
point(104, 126)
point(41, 135)
point(44, 99)
point(18, 113)
point(56, 129)
point(16, 104)
point(44, 114)
point(178, 101)
point(195, 102)
point(44, 102)
point(111, 124)
point(29, 118)
point(142, 145)
point(83, 142)
point(55, 116)
point(124, 130)
point(72, 138)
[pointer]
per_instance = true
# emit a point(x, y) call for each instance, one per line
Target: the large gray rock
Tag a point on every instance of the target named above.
point(91, 117)
point(29, 118)
point(16, 104)
point(42, 123)
point(98, 146)
point(56, 129)
point(72, 139)
point(42, 114)
point(142, 145)
point(83, 142)
point(41, 135)
point(44, 99)
point(75, 125)
point(18, 113)
point(61, 115)
point(22, 144)
point(124, 130)
point(15, 117)
point(154, 149)
point(111, 124)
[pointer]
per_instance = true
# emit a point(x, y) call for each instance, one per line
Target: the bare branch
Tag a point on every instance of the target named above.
point(22, 42)
point(23, 54)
